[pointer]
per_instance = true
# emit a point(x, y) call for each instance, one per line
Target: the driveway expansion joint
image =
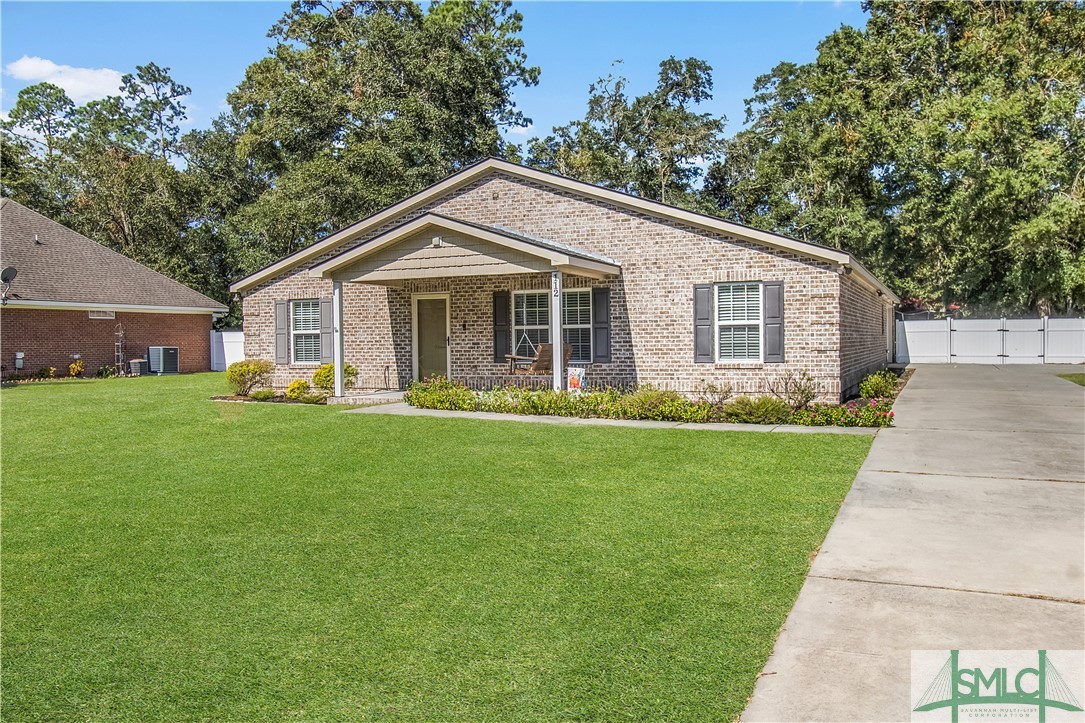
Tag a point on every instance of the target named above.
point(1025, 595)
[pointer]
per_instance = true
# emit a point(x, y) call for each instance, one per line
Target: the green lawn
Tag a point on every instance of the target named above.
point(1076, 378)
point(169, 557)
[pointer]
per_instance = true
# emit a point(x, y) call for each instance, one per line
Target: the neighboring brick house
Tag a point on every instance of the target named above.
point(497, 258)
point(72, 296)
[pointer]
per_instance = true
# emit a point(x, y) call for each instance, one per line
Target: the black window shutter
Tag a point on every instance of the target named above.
point(327, 353)
point(600, 325)
point(282, 332)
point(773, 305)
point(502, 328)
point(702, 323)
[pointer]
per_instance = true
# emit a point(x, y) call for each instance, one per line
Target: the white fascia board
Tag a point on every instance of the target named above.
point(132, 308)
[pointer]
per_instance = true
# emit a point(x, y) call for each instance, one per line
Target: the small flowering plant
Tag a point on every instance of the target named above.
point(856, 413)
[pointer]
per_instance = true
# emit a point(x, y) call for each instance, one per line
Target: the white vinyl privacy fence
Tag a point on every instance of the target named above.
point(991, 341)
point(227, 347)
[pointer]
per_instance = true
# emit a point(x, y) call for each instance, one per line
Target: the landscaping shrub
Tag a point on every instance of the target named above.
point(797, 390)
point(440, 393)
point(857, 413)
point(878, 385)
point(249, 374)
point(106, 371)
point(47, 372)
point(76, 368)
point(324, 378)
point(716, 397)
point(762, 410)
point(298, 389)
point(262, 395)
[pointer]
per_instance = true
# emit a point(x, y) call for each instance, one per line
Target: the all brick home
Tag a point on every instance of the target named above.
point(499, 258)
point(72, 296)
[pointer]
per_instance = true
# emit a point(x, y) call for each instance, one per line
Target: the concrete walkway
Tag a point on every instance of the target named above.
point(965, 529)
point(405, 410)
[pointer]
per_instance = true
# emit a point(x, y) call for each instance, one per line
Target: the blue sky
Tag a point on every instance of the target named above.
point(86, 46)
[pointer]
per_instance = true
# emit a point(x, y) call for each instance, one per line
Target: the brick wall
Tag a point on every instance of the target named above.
point(49, 337)
point(651, 302)
point(866, 332)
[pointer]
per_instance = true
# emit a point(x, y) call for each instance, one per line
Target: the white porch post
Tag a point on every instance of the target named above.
point(555, 330)
point(337, 335)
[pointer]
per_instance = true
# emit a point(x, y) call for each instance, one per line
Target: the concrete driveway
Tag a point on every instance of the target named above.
point(965, 529)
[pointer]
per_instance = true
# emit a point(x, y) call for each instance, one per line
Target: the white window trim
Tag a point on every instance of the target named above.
point(760, 359)
point(293, 333)
point(549, 327)
point(101, 314)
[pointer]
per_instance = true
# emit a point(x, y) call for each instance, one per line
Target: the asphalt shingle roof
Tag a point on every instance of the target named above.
point(63, 265)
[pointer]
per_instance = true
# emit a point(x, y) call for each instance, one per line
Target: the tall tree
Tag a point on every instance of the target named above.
point(156, 100)
point(653, 145)
point(943, 143)
point(361, 103)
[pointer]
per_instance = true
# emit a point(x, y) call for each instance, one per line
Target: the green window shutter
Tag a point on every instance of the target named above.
point(600, 325)
point(282, 332)
point(773, 310)
point(501, 326)
point(702, 324)
point(327, 351)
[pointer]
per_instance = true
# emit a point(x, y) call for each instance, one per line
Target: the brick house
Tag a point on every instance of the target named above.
point(499, 258)
point(71, 295)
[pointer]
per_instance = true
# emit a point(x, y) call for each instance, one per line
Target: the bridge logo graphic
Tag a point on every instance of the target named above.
point(1003, 685)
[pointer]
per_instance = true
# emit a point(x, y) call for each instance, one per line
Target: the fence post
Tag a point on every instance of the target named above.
point(949, 340)
point(1002, 331)
point(1043, 339)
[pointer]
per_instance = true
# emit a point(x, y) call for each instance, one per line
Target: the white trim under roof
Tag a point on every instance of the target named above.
point(133, 308)
point(471, 173)
point(570, 262)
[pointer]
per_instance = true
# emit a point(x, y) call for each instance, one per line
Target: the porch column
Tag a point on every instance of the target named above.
point(337, 335)
point(555, 330)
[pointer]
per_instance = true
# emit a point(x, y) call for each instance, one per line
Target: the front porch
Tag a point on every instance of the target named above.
point(480, 301)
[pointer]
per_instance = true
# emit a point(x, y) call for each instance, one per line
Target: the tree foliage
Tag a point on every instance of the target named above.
point(943, 144)
point(651, 145)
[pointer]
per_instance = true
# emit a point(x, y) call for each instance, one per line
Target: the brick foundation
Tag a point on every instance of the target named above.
point(49, 337)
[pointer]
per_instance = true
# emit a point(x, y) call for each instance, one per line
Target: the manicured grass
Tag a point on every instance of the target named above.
point(1076, 378)
point(169, 557)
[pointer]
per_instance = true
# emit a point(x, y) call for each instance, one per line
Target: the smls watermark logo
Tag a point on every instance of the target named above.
point(1002, 685)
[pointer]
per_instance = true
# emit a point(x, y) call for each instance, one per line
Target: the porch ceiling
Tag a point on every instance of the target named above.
point(433, 246)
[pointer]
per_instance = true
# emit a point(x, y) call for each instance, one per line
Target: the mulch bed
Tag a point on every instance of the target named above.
point(273, 400)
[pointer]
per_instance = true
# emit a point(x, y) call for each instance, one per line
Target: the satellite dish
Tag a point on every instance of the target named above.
point(8, 275)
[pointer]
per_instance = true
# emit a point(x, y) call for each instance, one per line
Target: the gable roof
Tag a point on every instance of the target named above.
point(58, 267)
point(561, 256)
point(624, 200)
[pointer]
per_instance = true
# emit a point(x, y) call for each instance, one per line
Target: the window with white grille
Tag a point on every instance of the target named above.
point(576, 324)
point(738, 322)
point(98, 314)
point(305, 331)
point(531, 322)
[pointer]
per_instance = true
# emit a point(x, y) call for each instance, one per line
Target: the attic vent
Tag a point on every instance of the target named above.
point(93, 314)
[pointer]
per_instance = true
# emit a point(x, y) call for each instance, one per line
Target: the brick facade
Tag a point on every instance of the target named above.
point(49, 337)
point(651, 301)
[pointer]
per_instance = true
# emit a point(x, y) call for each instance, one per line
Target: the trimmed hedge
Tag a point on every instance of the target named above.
point(646, 402)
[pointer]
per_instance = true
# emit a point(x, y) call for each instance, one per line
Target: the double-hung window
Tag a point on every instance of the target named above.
point(531, 322)
point(739, 322)
point(305, 331)
point(576, 324)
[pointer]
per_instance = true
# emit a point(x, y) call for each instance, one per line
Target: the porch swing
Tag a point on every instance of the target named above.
point(543, 360)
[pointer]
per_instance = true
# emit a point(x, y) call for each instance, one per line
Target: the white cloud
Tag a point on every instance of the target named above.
point(81, 84)
point(522, 131)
